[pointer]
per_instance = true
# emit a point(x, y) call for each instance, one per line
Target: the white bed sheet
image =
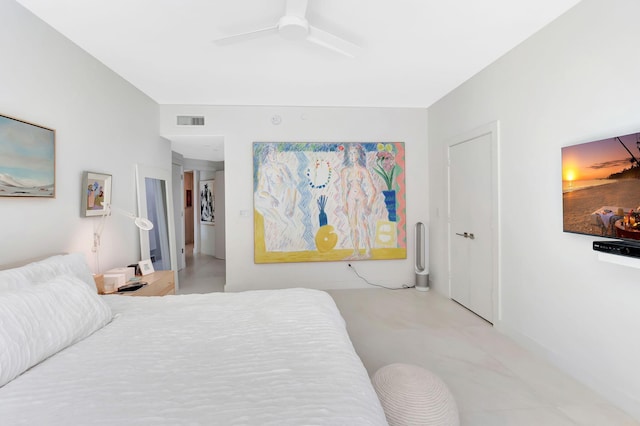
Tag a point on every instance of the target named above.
point(280, 357)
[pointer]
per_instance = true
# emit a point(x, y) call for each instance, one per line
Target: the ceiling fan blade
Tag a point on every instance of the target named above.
point(330, 41)
point(246, 36)
point(296, 8)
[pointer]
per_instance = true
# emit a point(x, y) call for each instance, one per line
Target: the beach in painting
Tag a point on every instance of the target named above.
point(579, 204)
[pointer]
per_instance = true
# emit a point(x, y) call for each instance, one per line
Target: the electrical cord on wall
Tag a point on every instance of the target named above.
point(404, 286)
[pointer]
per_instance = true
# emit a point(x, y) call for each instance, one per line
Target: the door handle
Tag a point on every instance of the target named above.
point(466, 235)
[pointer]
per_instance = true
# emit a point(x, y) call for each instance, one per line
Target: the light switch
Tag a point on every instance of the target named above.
point(244, 213)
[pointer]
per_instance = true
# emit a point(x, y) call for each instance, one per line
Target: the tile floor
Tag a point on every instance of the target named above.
point(493, 379)
point(203, 274)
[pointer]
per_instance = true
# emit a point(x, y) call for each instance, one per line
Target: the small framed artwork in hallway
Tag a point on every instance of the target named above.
point(207, 202)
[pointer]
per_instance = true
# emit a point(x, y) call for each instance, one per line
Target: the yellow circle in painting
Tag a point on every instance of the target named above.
point(326, 239)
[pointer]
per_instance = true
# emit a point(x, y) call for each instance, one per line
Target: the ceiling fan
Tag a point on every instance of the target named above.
point(295, 26)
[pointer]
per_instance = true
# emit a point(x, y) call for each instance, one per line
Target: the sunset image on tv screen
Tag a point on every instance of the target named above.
point(600, 187)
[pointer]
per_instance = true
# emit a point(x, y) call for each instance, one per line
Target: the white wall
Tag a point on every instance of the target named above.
point(102, 123)
point(241, 126)
point(577, 80)
point(220, 218)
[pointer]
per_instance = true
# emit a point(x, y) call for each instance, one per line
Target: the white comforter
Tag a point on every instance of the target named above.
point(278, 357)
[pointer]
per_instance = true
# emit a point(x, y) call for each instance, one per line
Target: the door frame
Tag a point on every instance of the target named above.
point(493, 130)
point(178, 210)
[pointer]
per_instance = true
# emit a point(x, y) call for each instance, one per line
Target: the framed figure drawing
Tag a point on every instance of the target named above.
point(27, 159)
point(207, 202)
point(95, 194)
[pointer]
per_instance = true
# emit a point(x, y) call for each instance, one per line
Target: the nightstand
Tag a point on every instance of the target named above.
point(159, 283)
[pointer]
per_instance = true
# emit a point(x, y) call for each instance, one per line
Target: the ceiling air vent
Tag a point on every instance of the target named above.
point(190, 120)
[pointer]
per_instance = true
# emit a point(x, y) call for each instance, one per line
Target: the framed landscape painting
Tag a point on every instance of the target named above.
point(322, 202)
point(27, 159)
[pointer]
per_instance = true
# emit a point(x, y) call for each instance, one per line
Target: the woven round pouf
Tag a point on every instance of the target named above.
point(411, 395)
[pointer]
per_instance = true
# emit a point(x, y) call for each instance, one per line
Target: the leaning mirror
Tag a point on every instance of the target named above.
point(154, 198)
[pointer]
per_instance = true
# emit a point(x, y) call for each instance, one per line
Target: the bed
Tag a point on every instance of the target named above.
point(272, 357)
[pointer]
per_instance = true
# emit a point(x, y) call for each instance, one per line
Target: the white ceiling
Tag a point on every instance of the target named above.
point(209, 148)
point(412, 53)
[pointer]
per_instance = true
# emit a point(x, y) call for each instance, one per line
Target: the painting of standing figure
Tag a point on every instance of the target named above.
point(316, 202)
point(207, 202)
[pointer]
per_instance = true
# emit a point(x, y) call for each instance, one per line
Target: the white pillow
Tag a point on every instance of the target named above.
point(38, 321)
point(44, 270)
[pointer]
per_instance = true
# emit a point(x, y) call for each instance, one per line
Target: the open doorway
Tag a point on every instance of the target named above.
point(204, 237)
point(188, 213)
point(201, 161)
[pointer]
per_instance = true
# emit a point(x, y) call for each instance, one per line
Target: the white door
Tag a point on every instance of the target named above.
point(473, 223)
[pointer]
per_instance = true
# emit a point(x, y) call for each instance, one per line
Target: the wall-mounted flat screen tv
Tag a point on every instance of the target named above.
point(601, 187)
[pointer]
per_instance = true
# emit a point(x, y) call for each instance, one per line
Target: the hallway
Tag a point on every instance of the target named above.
point(202, 274)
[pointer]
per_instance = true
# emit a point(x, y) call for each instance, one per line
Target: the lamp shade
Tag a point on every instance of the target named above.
point(141, 222)
point(144, 224)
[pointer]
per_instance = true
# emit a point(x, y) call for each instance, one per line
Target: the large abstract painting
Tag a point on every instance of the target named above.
point(318, 202)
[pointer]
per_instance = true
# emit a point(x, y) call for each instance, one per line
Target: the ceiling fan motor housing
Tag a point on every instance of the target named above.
point(293, 27)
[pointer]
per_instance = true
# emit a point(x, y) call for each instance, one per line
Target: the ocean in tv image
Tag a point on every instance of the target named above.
point(601, 187)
